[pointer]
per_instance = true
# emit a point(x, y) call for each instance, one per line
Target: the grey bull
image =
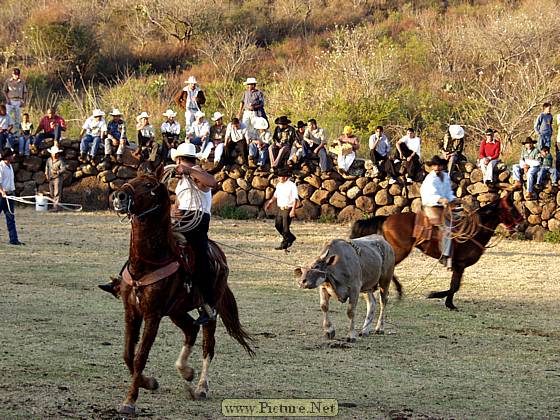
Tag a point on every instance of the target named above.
point(343, 270)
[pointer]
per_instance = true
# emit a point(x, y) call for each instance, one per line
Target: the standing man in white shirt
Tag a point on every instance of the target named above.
point(191, 98)
point(7, 188)
point(437, 194)
point(95, 129)
point(287, 199)
point(409, 153)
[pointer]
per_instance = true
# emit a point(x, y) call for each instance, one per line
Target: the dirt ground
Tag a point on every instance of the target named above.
point(62, 337)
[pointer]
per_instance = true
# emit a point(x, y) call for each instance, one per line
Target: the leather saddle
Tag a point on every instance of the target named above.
point(424, 230)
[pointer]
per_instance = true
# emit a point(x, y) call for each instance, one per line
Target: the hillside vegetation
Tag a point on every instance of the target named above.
point(419, 63)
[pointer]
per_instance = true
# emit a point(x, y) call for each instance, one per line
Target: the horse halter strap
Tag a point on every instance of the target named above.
point(152, 277)
point(128, 185)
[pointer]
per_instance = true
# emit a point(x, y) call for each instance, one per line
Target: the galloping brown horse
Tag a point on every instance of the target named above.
point(161, 287)
point(397, 230)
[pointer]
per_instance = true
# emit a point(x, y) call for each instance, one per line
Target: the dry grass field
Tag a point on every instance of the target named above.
point(498, 357)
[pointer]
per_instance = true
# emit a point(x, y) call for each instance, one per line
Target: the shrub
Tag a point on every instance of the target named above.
point(552, 237)
point(236, 213)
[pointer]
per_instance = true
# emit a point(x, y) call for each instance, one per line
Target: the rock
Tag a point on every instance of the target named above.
point(460, 192)
point(387, 210)
point(259, 183)
point(313, 180)
point(487, 197)
point(400, 201)
point(255, 197)
point(383, 198)
point(252, 211)
point(126, 173)
point(241, 197)
point(243, 184)
point(106, 176)
point(533, 207)
point(72, 165)
point(269, 192)
point(370, 188)
point(330, 185)
point(362, 182)
point(305, 191)
point(220, 176)
point(535, 233)
point(350, 213)
point(477, 188)
point(320, 197)
point(413, 190)
point(91, 192)
point(338, 200)
point(29, 188)
point(464, 183)
point(365, 204)
point(548, 210)
point(346, 186)
point(222, 199)
point(328, 211)
point(229, 185)
point(504, 176)
point(308, 210)
point(33, 163)
point(469, 167)
point(395, 190)
point(116, 184)
point(416, 205)
point(353, 192)
point(235, 172)
point(554, 224)
point(70, 154)
point(534, 219)
point(22, 175)
point(78, 174)
point(39, 178)
point(129, 159)
point(476, 176)
point(104, 166)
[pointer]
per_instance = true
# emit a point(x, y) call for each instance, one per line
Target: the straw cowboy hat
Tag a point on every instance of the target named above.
point(456, 131)
point(260, 123)
point(144, 114)
point(184, 149)
point(54, 150)
point(217, 116)
point(199, 114)
point(169, 113)
point(191, 80)
point(250, 81)
point(116, 113)
point(98, 113)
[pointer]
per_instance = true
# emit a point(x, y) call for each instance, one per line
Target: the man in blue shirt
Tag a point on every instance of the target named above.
point(543, 126)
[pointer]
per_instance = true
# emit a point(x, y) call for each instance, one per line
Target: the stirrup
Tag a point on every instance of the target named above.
point(207, 314)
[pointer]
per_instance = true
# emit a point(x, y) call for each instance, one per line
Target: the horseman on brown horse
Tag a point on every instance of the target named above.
point(158, 279)
point(402, 230)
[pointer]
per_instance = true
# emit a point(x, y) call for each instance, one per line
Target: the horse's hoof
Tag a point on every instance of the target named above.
point(152, 383)
point(202, 394)
point(350, 340)
point(128, 409)
point(192, 394)
point(329, 334)
point(187, 373)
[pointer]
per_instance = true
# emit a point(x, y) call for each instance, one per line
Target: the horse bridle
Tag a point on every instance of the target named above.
point(123, 196)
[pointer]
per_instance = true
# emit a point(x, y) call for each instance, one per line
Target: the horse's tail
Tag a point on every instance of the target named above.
point(227, 308)
point(368, 227)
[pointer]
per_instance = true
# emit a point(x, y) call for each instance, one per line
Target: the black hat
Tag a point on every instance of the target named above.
point(282, 120)
point(436, 160)
point(301, 124)
point(6, 153)
point(16, 71)
point(528, 140)
point(284, 172)
point(489, 131)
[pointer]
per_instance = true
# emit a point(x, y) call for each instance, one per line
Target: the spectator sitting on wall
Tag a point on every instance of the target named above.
point(315, 145)
point(51, 126)
point(93, 132)
point(170, 131)
point(409, 148)
point(258, 148)
point(452, 147)
point(528, 164)
point(147, 146)
point(217, 138)
point(489, 156)
point(116, 140)
point(345, 148)
point(25, 136)
point(547, 168)
point(282, 139)
point(379, 148)
point(297, 153)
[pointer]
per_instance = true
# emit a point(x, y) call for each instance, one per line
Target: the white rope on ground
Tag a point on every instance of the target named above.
point(32, 200)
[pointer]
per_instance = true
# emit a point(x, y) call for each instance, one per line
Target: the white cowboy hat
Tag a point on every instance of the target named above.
point(191, 80)
point(456, 131)
point(184, 149)
point(115, 112)
point(250, 81)
point(217, 116)
point(260, 123)
point(98, 113)
point(54, 150)
point(169, 113)
point(199, 114)
point(144, 114)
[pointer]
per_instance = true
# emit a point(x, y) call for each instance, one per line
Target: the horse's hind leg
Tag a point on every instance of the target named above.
point(151, 326)
point(190, 331)
point(370, 301)
point(208, 344)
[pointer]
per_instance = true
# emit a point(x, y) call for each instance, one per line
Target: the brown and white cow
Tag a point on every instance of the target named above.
point(343, 270)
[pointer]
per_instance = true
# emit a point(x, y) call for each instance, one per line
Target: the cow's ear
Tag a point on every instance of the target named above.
point(298, 272)
point(333, 259)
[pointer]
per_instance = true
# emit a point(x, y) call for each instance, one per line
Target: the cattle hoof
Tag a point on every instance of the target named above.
point(379, 332)
point(202, 394)
point(329, 334)
point(128, 409)
point(350, 340)
point(364, 334)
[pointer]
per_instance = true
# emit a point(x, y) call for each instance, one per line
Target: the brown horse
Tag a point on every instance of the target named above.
point(152, 251)
point(397, 230)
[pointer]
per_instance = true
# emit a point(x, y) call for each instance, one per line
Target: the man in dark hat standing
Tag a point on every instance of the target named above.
point(286, 197)
point(437, 194)
point(7, 188)
point(529, 164)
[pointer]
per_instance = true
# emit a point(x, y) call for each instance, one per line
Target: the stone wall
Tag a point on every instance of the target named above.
point(332, 197)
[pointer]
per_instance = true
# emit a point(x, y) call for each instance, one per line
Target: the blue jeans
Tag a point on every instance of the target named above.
point(197, 141)
point(7, 206)
point(56, 134)
point(24, 145)
point(544, 140)
point(531, 176)
point(260, 154)
point(88, 140)
point(324, 162)
point(543, 173)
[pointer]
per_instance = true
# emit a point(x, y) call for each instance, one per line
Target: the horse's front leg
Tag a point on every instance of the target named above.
point(132, 323)
point(151, 326)
point(208, 344)
point(324, 297)
point(190, 330)
point(370, 301)
point(454, 287)
point(351, 312)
